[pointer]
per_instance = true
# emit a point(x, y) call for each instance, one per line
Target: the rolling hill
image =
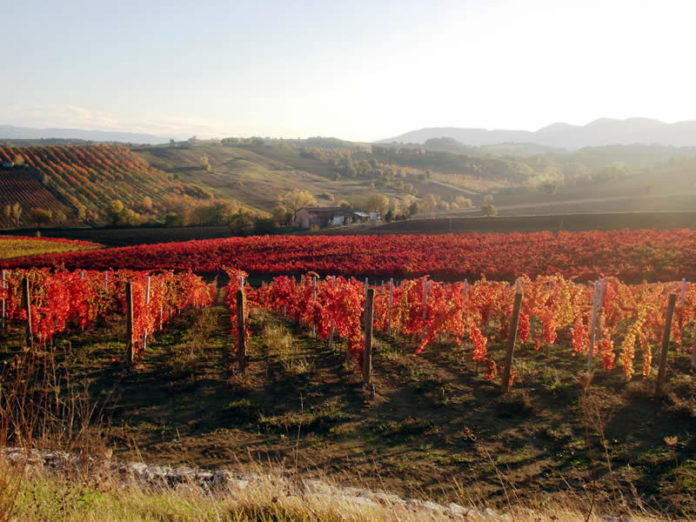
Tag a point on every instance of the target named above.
point(216, 181)
point(81, 182)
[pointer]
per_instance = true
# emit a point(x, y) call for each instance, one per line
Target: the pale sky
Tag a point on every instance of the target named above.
point(358, 70)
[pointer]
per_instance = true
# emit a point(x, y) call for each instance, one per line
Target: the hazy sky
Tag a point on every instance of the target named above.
point(360, 70)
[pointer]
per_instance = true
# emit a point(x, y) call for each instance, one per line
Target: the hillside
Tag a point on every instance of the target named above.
point(258, 173)
point(235, 181)
point(20, 186)
point(79, 183)
point(601, 132)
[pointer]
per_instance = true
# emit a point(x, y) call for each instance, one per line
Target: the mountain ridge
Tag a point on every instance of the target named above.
point(597, 133)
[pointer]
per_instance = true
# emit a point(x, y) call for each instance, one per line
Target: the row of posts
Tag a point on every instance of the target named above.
point(595, 326)
point(29, 333)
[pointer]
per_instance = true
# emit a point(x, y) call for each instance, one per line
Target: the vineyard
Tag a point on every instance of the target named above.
point(617, 324)
point(86, 179)
point(632, 256)
point(580, 366)
point(20, 186)
point(17, 246)
point(49, 303)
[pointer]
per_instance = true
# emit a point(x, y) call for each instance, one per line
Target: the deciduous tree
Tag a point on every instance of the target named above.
point(296, 199)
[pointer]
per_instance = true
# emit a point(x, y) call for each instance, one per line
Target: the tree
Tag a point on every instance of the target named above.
point(19, 160)
point(147, 203)
point(130, 217)
point(296, 199)
point(263, 226)
point(281, 215)
point(489, 210)
point(548, 187)
point(205, 163)
point(462, 202)
point(242, 221)
point(40, 216)
point(114, 211)
point(81, 212)
point(431, 202)
point(377, 203)
point(17, 213)
point(172, 219)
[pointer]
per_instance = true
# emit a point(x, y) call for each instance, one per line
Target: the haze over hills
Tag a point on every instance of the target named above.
point(601, 132)
point(10, 132)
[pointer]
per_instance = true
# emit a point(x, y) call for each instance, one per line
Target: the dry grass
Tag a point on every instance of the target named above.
point(40, 496)
point(280, 343)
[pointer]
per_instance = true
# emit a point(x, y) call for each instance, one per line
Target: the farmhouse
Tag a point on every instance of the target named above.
point(309, 217)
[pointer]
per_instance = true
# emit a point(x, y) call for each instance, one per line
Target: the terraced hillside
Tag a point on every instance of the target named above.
point(20, 186)
point(85, 180)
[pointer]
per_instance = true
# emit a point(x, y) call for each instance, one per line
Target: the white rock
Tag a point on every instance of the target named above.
point(354, 492)
point(361, 500)
point(456, 509)
point(138, 467)
point(318, 487)
point(222, 477)
point(432, 506)
point(203, 476)
point(388, 498)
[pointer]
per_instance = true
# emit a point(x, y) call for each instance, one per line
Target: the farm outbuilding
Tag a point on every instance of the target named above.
point(367, 216)
point(309, 217)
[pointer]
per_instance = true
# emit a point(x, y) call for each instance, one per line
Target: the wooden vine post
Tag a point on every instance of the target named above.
point(147, 306)
point(4, 302)
point(390, 303)
point(161, 315)
point(241, 331)
point(665, 344)
point(331, 333)
point(693, 351)
point(512, 338)
point(367, 353)
point(314, 300)
point(130, 348)
point(26, 301)
point(593, 322)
